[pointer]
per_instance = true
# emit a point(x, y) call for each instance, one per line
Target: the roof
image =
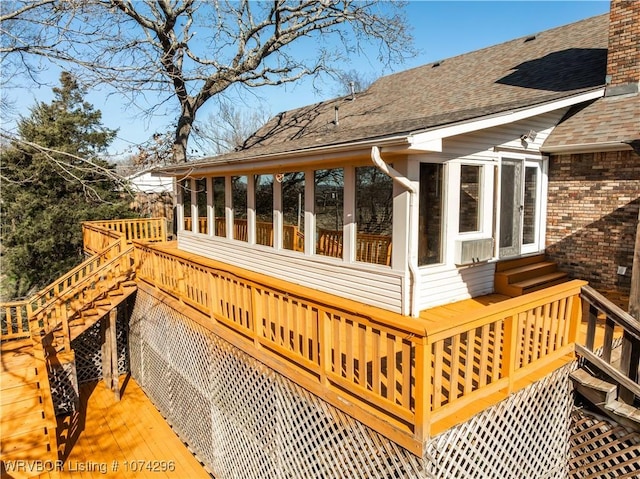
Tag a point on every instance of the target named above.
point(603, 124)
point(146, 182)
point(551, 65)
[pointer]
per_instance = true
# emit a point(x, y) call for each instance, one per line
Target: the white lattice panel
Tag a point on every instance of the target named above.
point(246, 421)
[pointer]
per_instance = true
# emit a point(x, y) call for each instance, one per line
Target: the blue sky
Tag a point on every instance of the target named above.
point(441, 29)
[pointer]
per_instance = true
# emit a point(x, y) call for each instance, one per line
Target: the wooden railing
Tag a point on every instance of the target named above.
point(111, 262)
point(399, 375)
point(53, 305)
point(370, 248)
point(97, 235)
point(625, 371)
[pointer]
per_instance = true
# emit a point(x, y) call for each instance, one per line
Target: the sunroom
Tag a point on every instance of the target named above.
point(400, 224)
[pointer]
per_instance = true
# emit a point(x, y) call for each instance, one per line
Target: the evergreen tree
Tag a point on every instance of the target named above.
point(52, 180)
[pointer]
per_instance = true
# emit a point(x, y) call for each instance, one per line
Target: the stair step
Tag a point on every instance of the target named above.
point(24, 442)
point(529, 271)
point(518, 262)
point(625, 410)
point(544, 281)
point(602, 387)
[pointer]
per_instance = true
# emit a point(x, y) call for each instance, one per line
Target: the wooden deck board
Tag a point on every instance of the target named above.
point(111, 432)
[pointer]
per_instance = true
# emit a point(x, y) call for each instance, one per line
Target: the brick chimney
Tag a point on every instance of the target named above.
point(623, 57)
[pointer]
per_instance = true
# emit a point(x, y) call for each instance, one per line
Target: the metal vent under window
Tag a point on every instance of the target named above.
point(474, 251)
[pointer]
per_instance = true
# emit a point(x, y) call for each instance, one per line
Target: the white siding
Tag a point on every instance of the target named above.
point(448, 283)
point(442, 284)
point(376, 286)
point(480, 145)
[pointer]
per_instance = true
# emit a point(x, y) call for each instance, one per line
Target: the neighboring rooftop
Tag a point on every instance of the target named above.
point(551, 65)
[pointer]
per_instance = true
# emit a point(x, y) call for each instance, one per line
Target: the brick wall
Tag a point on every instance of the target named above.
point(623, 58)
point(592, 215)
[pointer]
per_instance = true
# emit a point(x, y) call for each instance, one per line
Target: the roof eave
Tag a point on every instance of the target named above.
point(286, 159)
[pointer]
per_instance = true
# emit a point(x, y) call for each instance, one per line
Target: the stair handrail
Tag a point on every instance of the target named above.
point(627, 375)
point(76, 275)
point(98, 276)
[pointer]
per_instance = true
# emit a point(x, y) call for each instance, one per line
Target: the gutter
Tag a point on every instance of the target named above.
point(281, 160)
point(413, 195)
point(589, 147)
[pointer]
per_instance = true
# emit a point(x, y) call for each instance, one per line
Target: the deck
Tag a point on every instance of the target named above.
point(128, 438)
point(407, 378)
point(105, 438)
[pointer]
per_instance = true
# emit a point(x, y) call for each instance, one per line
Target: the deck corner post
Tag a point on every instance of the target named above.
point(577, 314)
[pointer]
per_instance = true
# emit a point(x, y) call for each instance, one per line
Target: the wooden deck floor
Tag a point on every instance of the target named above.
point(128, 438)
point(108, 438)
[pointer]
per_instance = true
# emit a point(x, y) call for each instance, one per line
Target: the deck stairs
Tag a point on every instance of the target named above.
point(55, 317)
point(524, 275)
point(603, 394)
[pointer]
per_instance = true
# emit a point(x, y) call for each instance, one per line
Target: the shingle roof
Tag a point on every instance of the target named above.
point(606, 121)
point(554, 64)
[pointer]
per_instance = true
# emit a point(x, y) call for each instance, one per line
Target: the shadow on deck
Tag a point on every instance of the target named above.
point(128, 438)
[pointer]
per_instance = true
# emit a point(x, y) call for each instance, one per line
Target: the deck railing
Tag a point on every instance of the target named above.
point(405, 375)
point(625, 370)
point(97, 235)
point(52, 306)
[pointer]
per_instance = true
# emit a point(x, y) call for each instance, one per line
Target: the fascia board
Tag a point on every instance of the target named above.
point(503, 118)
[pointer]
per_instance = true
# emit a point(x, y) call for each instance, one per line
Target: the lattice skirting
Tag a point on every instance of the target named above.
point(244, 420)
point(64, 388)
point(87, 366)
point(88, 348)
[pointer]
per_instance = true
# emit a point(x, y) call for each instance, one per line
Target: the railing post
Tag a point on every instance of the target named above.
point(629, 365)
point(324, 329)
point(590, 314)
point(509, 353)
point(575, 319)
point(423, 398)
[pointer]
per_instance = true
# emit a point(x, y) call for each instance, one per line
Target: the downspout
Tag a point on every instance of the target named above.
point(413, 195)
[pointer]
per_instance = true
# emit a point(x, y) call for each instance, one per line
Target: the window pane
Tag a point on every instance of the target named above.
point(329, 203)
point(509, 203)
point(293, 211)
point(201, 195)
point(430, 221)
point(239, 196)
point(185, 186)
point(218, 206)
point(530, 202)
point(264, 209)
point(469, 199)
point(374, 213)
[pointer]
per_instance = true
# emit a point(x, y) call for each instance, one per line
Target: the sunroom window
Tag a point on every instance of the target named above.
point(201, 201)
point(185, 190)
point(239, 198)
point(374, 215)
point(329, 208)
point(220, 228)
point(293, 185)
point(264, 209)
point(430, 214)
point(470, 198)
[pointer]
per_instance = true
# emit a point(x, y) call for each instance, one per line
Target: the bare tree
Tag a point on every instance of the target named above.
point(191, 51)
point(228, 129)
